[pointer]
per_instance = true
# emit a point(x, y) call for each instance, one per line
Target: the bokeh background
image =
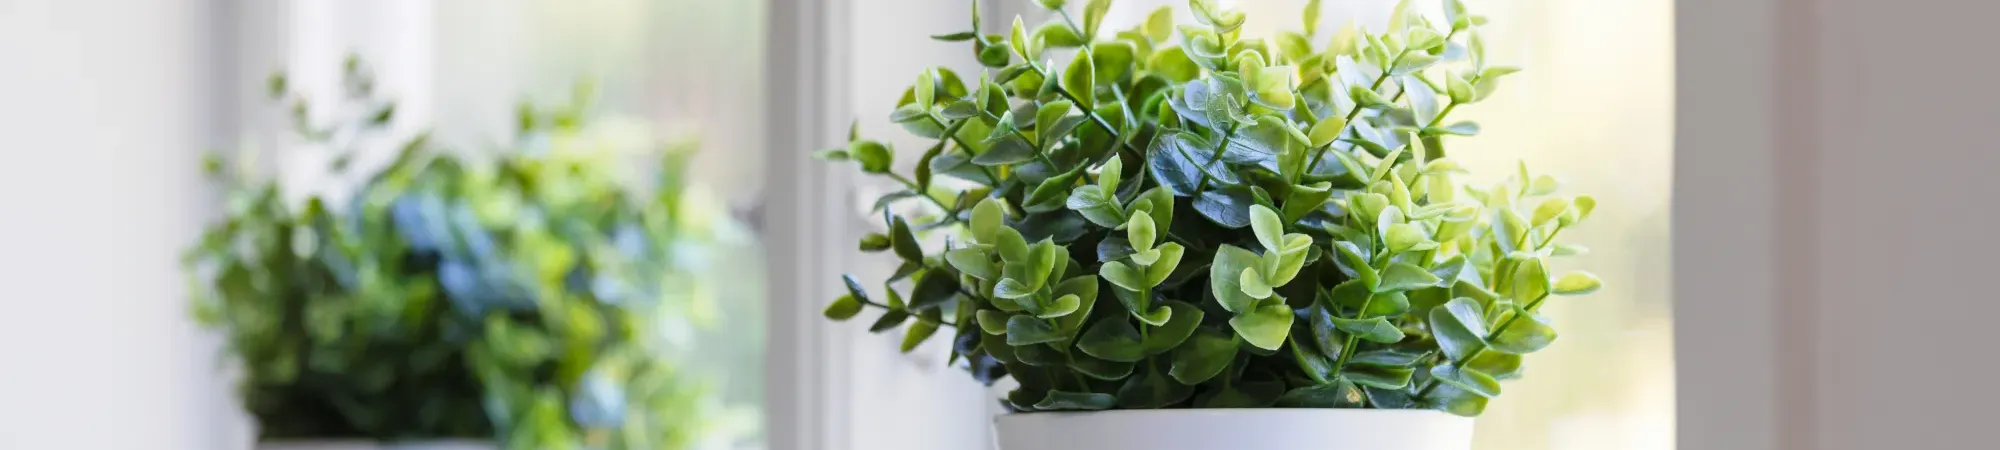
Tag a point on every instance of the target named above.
point(108, 104)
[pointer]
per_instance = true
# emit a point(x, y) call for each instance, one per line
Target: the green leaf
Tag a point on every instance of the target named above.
point(955, 37)
point(987, 218)
point(918, 333)
point(889, 321)
point(1225, 273)
point(1549, 210)
point(1387, 304)
point(1413, 62)
point(1459, 327)
point(1476, 383)
point(1140, 232)
point(1266, 225)
point(1051, 194)
point(933, 290)
point(1028, 330)
point(843, 308)
point(1093, 16)
point(1311, 17)
point(1458, 88)
point(1253, 284)
point(1113, 339)
point(1123, 275)
point(1386, 358)
point(1457, 401)
point(1338, 394)
point(1352, 260)
point(1375, 329)
point(1228, 207)
point(926, 90)
point(1265, 326)
point(1056, 34)
point(1304, 199)
point(1262, 143)
point(1076, 401)
point(1159, 270)
point(1046, 118)
point(1531, 281)
point(1160, 24)
point(1100, 369)
point(1246, 394)
point(1405, 276)
point(1018, 40)
point(838, 154)
point(1294, 46)
point(1173, 62)
point(1379, 376)
point(1080, 79)
point(1109, 175)
point(1149, 389)
point(873, 156)
point(1097, 205)
point(1203, 356)
point(1502, 366)
point(905, 241)
point(1062, 307)
point(1404, 237)
point(874, 242)
point(1327, 130)
point(1183, 319)
point(1577, 283)
point(992, 321)
point(1526, 333)
point(1172, 160)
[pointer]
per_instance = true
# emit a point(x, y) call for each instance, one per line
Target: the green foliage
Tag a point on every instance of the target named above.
point(520, 297)
point(1273, 223)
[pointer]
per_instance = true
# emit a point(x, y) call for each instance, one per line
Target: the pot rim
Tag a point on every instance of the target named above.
point(1329, 413)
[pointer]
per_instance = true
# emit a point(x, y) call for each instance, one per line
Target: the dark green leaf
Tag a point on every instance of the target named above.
point(1203, 356)
point(1100, 369)
point(1378, 376)
point(1172, 159)
point(1457, 401)
point(1113, 339)
point(918, 333)
point(1386, 358)
point(1228, 207)
point(956, 37)
point(1150, 390)
point(889, 321)
point(935, 288)
point(1180, 325)
point(873, 156)
point(1338, 394)
point(1459, 327)
point(1375, 329)
point(1074, 401)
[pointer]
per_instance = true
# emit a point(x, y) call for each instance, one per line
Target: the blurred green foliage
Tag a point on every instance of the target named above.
point(533, 296)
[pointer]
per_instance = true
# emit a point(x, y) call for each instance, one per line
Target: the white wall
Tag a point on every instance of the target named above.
point(104, 107)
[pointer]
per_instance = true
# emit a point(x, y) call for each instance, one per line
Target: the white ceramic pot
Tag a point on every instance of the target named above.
point(367, 445)
point(1236, 429)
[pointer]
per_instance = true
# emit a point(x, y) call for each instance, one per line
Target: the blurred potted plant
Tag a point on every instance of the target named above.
point(518, 300)
point(1186, 225)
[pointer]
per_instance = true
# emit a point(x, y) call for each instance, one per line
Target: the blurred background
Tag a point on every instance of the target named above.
point(109, 104)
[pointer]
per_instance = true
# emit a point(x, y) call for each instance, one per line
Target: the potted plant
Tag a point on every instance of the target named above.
point(1178, 237)
point(516, 300)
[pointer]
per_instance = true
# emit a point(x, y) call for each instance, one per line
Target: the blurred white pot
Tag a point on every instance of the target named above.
point(1236, 429)
point(367, 445)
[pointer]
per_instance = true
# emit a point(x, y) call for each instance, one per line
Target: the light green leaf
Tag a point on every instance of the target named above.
point(873, 156)
point(1267, 226)
point(1265, 326)
point(1160, 24)
point(1459, 89)
point(1225, 273)
point(1170, 258)
point(1353, 261)
point(1405, 276)
point(1379, 376)
point(1531, 281)
point(1527, 333)
point(1109, 175)
point(1018, 40)
point(1253, 284)
point(1123, 275)
point(1012, 247)
point(992, 321)
point(1063, 306)
point(843, 308)
point(1080, 78)
point(1324, 132)
point(1173, 62)
point(1549, 210)
point(1577, 283)
point(1140, 232)
point(974, 262)
point(926, 90)
point(1311, 18)
point(1097, 205)
point(1405, 237)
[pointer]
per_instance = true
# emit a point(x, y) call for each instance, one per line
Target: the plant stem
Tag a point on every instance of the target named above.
point(1357, 108)
point(886, 307)
point(1218, 155)
point(950, 214)
point(1072, 24)
point(951, 132)
point(1087, 112)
